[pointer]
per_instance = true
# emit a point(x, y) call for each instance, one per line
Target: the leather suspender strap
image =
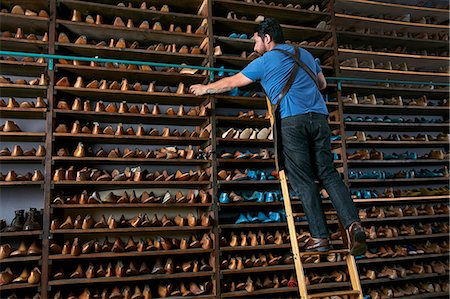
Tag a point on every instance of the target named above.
point(291, 78)
point(301, 63)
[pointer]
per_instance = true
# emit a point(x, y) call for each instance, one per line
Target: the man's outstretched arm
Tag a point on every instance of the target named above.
point(223, 85)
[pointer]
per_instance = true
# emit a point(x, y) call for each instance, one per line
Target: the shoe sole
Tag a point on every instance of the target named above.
point(360, 246)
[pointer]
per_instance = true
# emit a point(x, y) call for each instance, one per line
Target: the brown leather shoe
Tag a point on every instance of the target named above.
point(317, 244)
point(357, 238)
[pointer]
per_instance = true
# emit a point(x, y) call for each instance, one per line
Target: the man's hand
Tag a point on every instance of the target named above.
point(198, 89)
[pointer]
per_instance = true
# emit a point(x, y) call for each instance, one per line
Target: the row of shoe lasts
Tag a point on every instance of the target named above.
point(322, 43)
point(231, 15)
point(256, 196)
point(34, 82)
point(251, 114)
point(19, 10)
point(12, 176)
point(134, 174)
point(263, 154)
point(408, 289)
point(163, 153)
point(391, 193)
point(391, 211)
point(7, 251)
point(120, 131)
point(394, 33)
point(241, 262)
point(261, 217)
point(123, 44)
point(409, 174)
point(402, 18)
point(218, 52)
point(135, 67)
point(397, 271)
point(377, 155)
point(406, 230)
point(23, 59)
point(387, 65)
point(145, 197)
point(247, 134)
point(251, 239)
point(368, 194)
point(75, 248)
point(134, 269)
point(118, 22)
point(398, 101)
point(164, 290)
point(21, 35)
point(250, 284)
point(387, 119)
point(12, 103)
point(31, 220)
point(19, 152)
point(361, 136)
point(88, 222)
point(100, 106)
point(143, 5)
point(114, 85)
point(407, 250)
point(289, 5)
point(7, 276)
point(398, 49)
point(253, 175)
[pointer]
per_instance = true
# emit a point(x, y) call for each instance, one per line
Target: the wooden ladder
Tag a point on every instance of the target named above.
point(356, 291)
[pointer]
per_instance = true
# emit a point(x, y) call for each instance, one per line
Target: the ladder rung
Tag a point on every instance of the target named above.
point(303, 214)
point(335, 293)
point(324, 252)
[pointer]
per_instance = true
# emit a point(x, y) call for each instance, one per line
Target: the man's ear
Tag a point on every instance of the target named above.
point(267, 39)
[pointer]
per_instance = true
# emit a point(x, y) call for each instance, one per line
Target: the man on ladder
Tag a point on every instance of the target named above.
point(292, 81)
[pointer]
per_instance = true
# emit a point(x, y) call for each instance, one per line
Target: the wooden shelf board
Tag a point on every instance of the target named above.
point(22, 91)
point(18, 68)
point(116, 280)
point(21, 183)
point(21, 233)
point(129, 254)
point(22, 159)
point(21, 259)
point(32, 113)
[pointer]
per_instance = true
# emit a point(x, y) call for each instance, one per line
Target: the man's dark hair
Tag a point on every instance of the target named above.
point(271, 27)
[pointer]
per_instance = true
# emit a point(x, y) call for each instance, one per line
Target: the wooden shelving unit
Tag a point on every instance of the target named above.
point(348, 40)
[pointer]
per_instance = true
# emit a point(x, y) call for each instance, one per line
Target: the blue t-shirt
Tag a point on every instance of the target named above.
point(273, 70)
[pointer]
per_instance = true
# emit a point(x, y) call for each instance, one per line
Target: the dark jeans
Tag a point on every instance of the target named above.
point(307, 154)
